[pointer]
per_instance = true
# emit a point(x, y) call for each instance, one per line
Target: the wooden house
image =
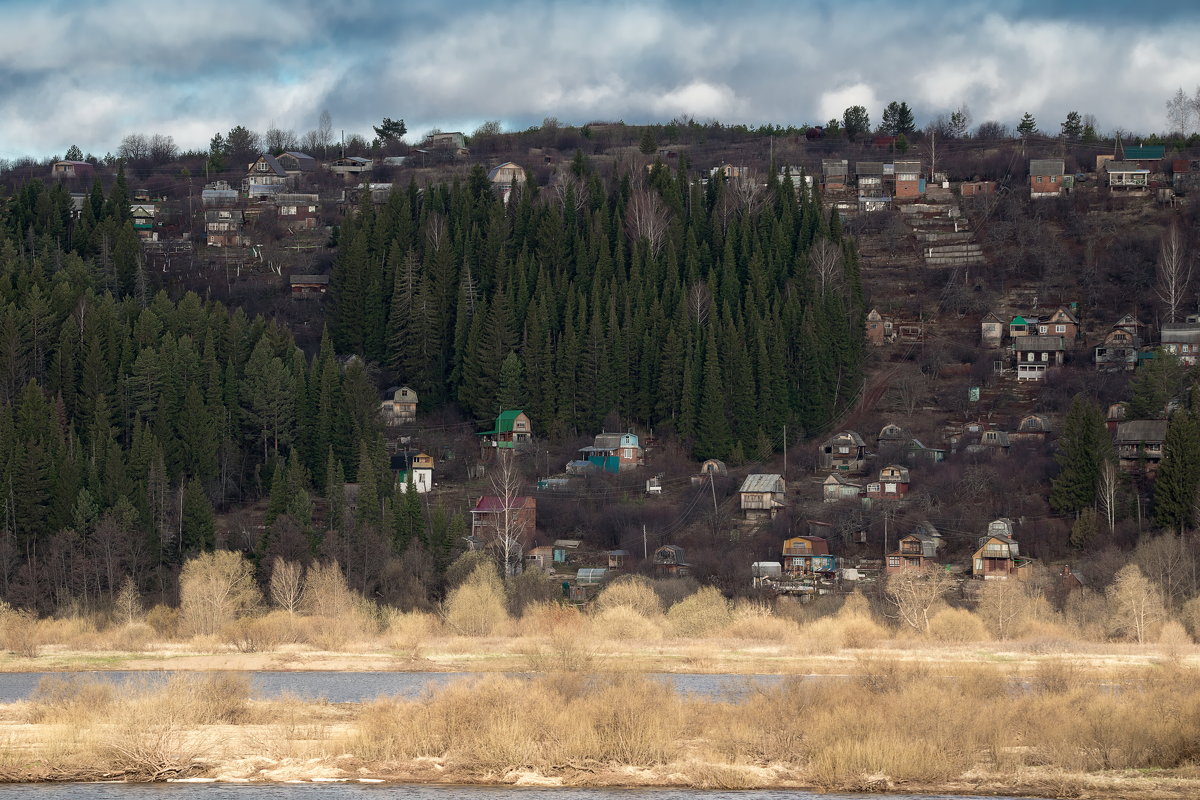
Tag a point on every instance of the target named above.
point(1036, 354)
point(845, 451)
point(997, 555)
point(71, 169)
point(714, 466)
point(669, 562)
point(1031, 428)
point(803, 555)
point(350, 168)
point(1119, 350)
point(449, 140)
point(618, 559)
point(265, 177)
point(892, 484)
point(512, 430)
point(909, 183)
point(401, 407)
point(892, 435)
point(914, 551)
point(297, 212)
point(1115, 415)
point(308, 286)
point(762, 495)
point(870, 178)
point(836, 488)
point(504, 177)
point(991, 330)
point(1140, 445)
point(223, 227)
point(566, 550)
point(614, 452)
point(1182, 340)
point(1022, 325)
point(1127, 178)
point(296, 164)
point(1046, 177)
point(879, 328)
point(412, 464)
point(1061, 323)
point(1145, 156)
point(834, 172)
point(492, 515)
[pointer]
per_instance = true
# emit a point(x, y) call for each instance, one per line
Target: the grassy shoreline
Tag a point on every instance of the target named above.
point(895, 726)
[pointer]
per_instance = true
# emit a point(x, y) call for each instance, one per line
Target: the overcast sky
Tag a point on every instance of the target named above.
point(87, 74)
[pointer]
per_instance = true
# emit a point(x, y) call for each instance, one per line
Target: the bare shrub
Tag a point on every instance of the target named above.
point(753, 621)
point(1190, 614)
point(1173, 639)
point(957, 626)
point(698, 615)
point(915, 593)
point(477, 606)
point(408, 631)
point(127, 606)
point(633, 591)
point(215, 588)
point(20, 633)
point(546, 619)
point(624, 623)
point(164, 620)
point(70, 700)
point(287, 585)
point(132, 638)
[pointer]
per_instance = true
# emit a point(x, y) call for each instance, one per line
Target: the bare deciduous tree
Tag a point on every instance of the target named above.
point(278, 140)
point(1174, 272)
point(162, 149)
point(646, 218)
point(214, 588)
point(1106, 493)
point(134, 147)
point(510, 529)
point(749, 192)
point(287, 585)
point(127, 606)
point(699, 303)
point(1136, 603)
point(914, 592)
point(825, 259)
point(1179, 113)
point(1003, 605)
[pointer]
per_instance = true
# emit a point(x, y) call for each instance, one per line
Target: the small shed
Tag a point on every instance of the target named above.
point(306, 286)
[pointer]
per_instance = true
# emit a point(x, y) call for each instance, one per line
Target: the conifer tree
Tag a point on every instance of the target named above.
point(1084, 446)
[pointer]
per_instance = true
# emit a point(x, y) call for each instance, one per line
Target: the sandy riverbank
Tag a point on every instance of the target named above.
point(896, 726)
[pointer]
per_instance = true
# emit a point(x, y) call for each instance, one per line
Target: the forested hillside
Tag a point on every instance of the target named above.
point(720, 312)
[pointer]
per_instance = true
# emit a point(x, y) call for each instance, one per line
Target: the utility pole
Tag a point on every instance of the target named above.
point(932, 155)
point(713, 487)
point(785, 452)
point(645, 550)
point(885, 538)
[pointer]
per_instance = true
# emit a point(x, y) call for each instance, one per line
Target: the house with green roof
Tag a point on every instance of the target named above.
point(512, 429)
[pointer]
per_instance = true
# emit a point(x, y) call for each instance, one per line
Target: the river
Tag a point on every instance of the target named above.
point(356, 687)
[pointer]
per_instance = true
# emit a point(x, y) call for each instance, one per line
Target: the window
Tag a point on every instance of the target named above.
point(520, 426)
point(1030, 356)
point(628, 453)
point(1045, 356)
point(261, 166)
point(1060, 328)
point(1039, 178)
point(893, 561)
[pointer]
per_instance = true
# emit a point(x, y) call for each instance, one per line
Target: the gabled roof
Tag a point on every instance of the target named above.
point(1124, 166)
point(1180, 332)
point(504, 422)
point(1038, 344)
point(1018, 320)
point(304, 162)
point(762, 483)
point(1046, 166)
point(1144, 152)
point(273, 163)
point(1136, 431)
point(869, 168)
point(495, 171)
point(851, 435)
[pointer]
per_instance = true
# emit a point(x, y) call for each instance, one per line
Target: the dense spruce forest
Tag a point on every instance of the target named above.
point(717, 313)
point(129, 421)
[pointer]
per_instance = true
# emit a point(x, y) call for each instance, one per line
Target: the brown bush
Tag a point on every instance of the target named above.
point(700, 614)
point(633, 591)
point(957, 626)
point(623, 622)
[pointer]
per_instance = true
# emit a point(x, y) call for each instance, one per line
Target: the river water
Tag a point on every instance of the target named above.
point(355, 687)
point(343, 791)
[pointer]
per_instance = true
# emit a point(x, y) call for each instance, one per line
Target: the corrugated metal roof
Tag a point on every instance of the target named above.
point(1046, 166)
point(1142, 430)
point(1145, 152)
point(762, 483)
point(1181, 332)
point(1038, 344)
point(1124, 166)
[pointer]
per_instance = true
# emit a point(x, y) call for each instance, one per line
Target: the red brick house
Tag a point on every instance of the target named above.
point(892, 483)
point(909, 184)
point(1046, 177)
point(915, 551)
point(1061, 323)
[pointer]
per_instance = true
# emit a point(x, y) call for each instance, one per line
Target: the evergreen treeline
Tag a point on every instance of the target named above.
point(721, 311)
point(126, 421)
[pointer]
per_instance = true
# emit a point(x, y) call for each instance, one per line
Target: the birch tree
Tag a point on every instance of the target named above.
point(1137, 604)
point(913, 593)
point(510, 526)
point(1174, 272)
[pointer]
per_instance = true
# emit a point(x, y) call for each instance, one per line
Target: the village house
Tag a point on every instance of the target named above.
point(142, 217)
point(1140, 445)
point(892, 484)
point(306, 287)
point(909, 183)
point(505, 176)
point(447, 140)
point(1022, 325)
point(870, 178)
point(805, 555)
point(762, 496)
point(1182, 339)
point(418, 465)
point(1036, 354)
point(1119, 350)
point(223, 227)
point(1046, 177)
point(401, 407)
point(1146, 156)
point(879, 328)
point(997, 554)
point(991, 330)
point(540, 557)
point(1126, 177)
point(729, 171)
point(618, 559)
point(350, 168)
point(265, 177)
point(512, 430)
point(1031, 428)
point(977, 188)
point(614, 452)
point(491, 516)
point(669, 562)
point(892, 435)
point(845, 451)
point(914, 551)
point(834, 172)
point(296, 164)
point(836, 488)
point(1061, 323)
point(297, 212)
point(71, 169)
point(1115, 415)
